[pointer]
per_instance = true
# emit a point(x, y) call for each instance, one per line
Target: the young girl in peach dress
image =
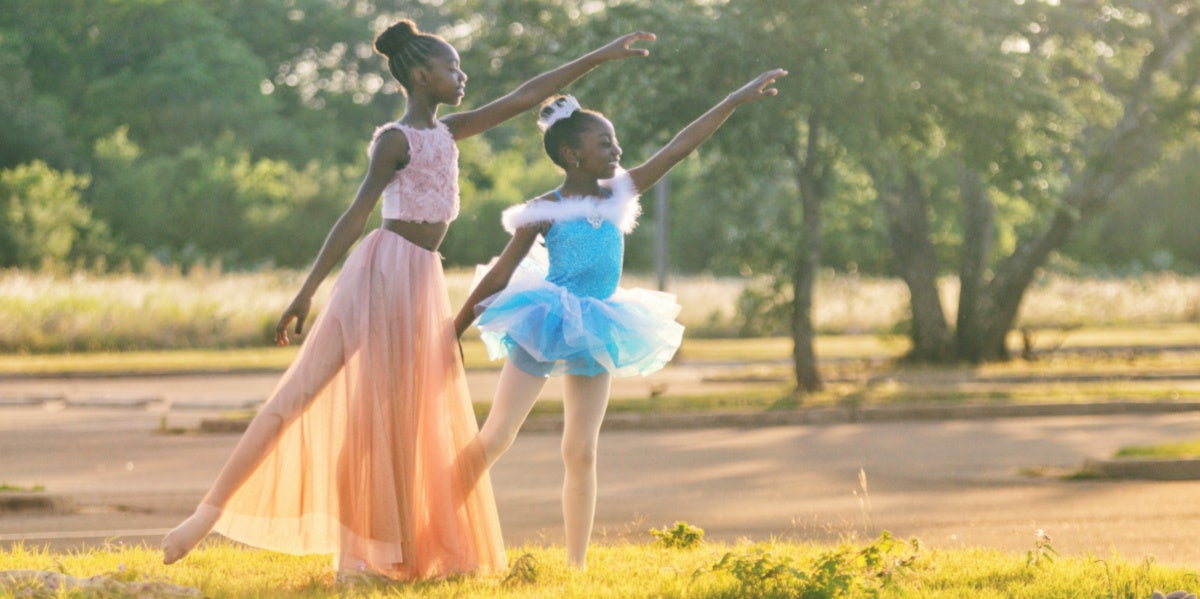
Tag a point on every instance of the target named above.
point(568, 316)
point(365, 448)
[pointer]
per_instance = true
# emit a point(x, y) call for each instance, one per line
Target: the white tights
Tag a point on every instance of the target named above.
point(584, 404)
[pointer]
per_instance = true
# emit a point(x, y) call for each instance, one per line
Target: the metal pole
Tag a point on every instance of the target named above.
point(660, 209)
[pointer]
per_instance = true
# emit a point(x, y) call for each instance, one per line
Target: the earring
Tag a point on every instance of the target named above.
point(576, 164)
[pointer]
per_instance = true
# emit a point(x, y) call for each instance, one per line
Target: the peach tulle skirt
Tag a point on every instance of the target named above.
point(375, 463)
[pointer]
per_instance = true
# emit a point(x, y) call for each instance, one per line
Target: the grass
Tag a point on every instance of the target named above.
point(111, 362)
point(1116, 350)
point(52, 313)
point(884, 567)
point(7, 488)
point(1172, 450)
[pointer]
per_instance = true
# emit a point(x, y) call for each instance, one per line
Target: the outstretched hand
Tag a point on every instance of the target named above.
point(759, 88)
point(622, 46)
point(298, 310)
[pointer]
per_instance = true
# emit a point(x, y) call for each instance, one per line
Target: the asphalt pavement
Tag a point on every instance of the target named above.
point(952, 481)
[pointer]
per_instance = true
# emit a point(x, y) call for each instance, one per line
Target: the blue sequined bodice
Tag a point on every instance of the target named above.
point(585, 258)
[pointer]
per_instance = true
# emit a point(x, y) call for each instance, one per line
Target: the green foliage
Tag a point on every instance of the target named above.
point(524, 571)
point(33, 122)
point(1151, 226)
point(681, 536)
point(493, 180)
point(764, 308)
point(842, 572)
point(1043, 552)
point(42, 220)
point(233, 133)
point(221, 569)
point(216, 203)
point(1173, 450)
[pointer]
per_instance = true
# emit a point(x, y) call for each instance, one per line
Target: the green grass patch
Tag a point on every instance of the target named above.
point(884, 567)
point(5, 487)
point(1173, 450)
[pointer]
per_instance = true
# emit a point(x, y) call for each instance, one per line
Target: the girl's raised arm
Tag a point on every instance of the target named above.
point(533, 92)
point(648, 173)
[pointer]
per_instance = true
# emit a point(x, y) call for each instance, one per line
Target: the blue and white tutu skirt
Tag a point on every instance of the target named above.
point(546, 330)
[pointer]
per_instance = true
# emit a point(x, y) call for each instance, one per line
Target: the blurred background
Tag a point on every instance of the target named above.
point(168, 169)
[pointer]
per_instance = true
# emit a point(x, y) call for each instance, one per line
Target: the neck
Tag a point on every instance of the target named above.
point(419, 112)
point(580, 185)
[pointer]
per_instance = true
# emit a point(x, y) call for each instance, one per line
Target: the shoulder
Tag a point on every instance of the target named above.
point(389, 133)
point(454, 124)
point(539, 210)
point(621, 186)
point(390, 142)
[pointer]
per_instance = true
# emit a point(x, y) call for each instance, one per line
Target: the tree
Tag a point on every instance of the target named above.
point(950, 110)
point(1126, 74)
point(33, 121)
point(41, 217)
point(1151, 226)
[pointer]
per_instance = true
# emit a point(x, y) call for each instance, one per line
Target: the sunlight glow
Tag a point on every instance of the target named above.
point(1015, 44)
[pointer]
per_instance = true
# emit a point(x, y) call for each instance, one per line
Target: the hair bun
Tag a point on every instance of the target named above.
point(395, 37)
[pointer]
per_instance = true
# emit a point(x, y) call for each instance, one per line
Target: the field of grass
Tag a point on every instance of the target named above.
point(55, 313)
point(673, 565)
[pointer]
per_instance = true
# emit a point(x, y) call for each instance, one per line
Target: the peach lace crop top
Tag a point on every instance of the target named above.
point(426, 189)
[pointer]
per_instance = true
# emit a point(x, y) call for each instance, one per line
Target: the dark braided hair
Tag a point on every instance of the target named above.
point(565, 131)
point(406, 47)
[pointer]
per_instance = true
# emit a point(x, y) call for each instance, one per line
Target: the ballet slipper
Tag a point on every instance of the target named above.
point(180, 541)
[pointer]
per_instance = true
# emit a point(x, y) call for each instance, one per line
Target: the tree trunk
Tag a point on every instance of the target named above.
point(804, 354)
point(812, 179)
point(979, 231)
point(916, 260)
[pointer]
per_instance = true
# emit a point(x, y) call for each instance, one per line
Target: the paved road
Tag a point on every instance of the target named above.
point(949, 483)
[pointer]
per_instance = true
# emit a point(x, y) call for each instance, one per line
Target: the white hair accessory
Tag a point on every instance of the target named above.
point(560, 108)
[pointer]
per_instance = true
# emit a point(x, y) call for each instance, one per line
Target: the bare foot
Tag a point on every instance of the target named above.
point(180, 541)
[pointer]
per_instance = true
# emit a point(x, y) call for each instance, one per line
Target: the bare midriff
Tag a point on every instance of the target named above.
point(425, 235)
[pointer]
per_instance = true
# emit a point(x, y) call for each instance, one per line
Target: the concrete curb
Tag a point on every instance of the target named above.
point(1144, 469)
point(1162, 469)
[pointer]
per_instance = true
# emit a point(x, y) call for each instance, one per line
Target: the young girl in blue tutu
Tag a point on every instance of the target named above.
point(569, 316)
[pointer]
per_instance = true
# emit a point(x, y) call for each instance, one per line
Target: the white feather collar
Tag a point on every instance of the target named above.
point(621, 208)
